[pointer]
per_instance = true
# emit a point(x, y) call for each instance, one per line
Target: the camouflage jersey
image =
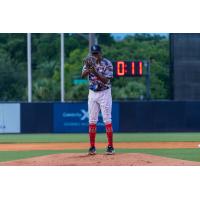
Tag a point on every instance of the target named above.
point(104, 68)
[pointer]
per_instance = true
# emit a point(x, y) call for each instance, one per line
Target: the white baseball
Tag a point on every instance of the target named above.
point(198, 145)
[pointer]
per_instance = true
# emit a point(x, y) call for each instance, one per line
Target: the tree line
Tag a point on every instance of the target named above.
point(46, 65)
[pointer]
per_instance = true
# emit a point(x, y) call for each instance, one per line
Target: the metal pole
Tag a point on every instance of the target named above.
point(91, 40)
point(96, 40)
point(29, 67)
point(62, 68)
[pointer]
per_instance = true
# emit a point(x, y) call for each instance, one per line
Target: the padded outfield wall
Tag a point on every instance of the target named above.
point(153, 116)
point(10, 118)
point(147, 116)
point(133, 116)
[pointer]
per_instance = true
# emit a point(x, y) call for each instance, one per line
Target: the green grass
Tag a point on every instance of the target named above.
point(15, 155)
point(118, 137)
point(184, 154)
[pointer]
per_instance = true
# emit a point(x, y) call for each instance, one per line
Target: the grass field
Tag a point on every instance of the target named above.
point(185, 154)
point(118, 137)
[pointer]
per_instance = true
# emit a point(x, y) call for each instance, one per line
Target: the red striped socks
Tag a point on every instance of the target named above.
point(92, 134)
point(109, 133)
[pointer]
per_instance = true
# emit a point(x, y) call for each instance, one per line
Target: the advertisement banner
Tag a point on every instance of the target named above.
point(73, 118)
point(9, 118)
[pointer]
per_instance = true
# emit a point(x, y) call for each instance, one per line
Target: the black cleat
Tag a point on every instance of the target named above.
point(92, 151)
point(110, 150)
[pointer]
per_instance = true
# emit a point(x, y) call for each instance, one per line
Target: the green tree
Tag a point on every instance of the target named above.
point(46, 65)
point(12, 81)
point(143, 47)
point(13, 67)
point(105, 39)
point(73, 68)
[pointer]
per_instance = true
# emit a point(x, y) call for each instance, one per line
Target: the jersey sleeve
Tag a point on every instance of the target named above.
point(109, 70)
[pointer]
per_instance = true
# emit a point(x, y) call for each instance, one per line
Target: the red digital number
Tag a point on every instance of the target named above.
point(140, 68)
point(120, 68)
point(133, 68)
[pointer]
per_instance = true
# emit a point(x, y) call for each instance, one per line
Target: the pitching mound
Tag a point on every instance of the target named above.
point(78, 159)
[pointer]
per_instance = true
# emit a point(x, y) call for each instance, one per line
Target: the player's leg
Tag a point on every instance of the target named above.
point(106, 109)
point(93, 112)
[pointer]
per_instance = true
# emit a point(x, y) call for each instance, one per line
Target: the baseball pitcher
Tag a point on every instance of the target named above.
point(99, 71)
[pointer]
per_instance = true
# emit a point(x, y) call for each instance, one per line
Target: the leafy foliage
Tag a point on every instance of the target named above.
point(46, 65)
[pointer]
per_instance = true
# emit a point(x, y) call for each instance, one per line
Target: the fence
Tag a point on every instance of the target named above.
point(135, 116)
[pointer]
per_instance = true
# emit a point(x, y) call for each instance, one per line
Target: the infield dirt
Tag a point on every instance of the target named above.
point(121, 145)
point(82, 159)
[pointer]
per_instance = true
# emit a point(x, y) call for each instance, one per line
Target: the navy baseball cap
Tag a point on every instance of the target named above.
point(95, 49)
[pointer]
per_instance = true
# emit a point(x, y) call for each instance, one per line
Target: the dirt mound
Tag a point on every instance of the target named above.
point(78, 159)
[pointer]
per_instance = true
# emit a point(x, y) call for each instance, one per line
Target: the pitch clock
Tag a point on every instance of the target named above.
point(128, 68)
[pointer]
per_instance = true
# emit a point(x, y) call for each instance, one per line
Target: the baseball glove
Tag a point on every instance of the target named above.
point(89, 62)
